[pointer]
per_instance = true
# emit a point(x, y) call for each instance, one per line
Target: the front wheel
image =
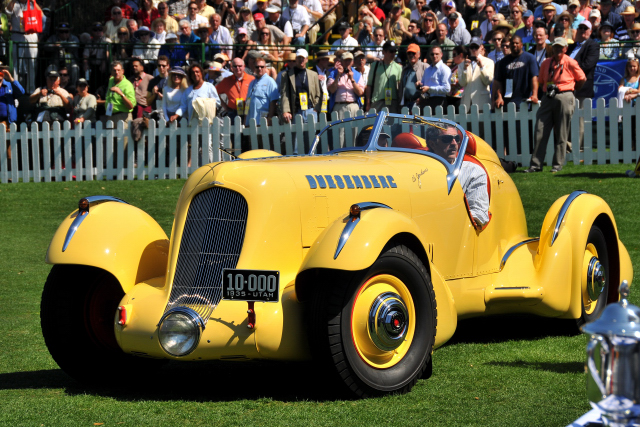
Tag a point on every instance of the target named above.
point(77, 316)
point(375, 333)
point(595, 276)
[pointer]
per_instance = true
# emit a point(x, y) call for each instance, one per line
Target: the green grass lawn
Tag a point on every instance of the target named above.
point(514, 371)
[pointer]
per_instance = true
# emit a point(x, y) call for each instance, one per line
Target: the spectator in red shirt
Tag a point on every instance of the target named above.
point(147, 13)
point(235, 87)
point(127, 12)
point(373, 6)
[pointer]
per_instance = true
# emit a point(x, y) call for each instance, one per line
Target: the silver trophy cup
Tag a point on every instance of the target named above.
point(613, 362)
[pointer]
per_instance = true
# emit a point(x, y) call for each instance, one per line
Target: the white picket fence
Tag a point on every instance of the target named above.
point(168, 151)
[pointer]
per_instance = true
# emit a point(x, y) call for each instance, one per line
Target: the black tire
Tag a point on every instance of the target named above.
point(596, 241)
point(77, 316)
point(342, 348)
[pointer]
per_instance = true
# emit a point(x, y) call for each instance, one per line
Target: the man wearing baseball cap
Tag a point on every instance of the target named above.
point(609, 15)
point(411, 74)
point(526, 32)
point(346, 86)
point(346, 42)
point(559, 77)
point(477, 76)
point(383, 82)
point(300, 92)
point(277, 36)
point(275, 19)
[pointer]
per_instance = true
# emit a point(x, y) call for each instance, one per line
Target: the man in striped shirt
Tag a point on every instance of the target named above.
point(473, 179)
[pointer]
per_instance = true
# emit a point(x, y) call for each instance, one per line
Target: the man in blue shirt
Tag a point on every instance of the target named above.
point(526, 32)
point(435, 84)
point(10, 90)
point(262, 95)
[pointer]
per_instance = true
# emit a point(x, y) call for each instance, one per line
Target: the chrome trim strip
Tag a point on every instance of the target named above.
point(352, 222)
point(93, 200)
point(563, 212)
point(513, 248)
point(346, 233)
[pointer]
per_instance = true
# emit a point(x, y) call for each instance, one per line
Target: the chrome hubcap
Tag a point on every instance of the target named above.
point(388, 321)
point(595, 279)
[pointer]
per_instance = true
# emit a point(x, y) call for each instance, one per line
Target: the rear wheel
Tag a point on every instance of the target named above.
point(77, 317)
point(376, 332)
point(595, 276)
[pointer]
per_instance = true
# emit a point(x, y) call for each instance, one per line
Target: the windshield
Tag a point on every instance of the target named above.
point(441, 139)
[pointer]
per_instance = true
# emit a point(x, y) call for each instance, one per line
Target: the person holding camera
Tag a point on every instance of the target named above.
point(560, 76)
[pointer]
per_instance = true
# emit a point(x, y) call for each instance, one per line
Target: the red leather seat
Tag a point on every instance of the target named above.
point(409, 140)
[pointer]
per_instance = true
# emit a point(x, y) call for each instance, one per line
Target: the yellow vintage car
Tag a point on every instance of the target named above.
point(361, 258)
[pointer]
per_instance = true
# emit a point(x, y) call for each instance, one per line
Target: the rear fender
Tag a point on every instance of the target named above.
point(116, 237)
point(563, 238)
point(376, 228)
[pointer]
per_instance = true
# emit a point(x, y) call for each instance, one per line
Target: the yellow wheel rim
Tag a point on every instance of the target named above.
point(590, 253)
point(383, 321)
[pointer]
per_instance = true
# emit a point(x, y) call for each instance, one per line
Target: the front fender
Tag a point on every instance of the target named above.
point(116, 237)
point(364, 245)
point(571, 227)
point(367, 240)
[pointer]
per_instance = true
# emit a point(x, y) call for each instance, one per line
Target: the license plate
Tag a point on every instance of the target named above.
point(251, 285)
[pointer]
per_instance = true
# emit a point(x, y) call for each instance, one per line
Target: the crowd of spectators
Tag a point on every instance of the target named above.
point(251, 58)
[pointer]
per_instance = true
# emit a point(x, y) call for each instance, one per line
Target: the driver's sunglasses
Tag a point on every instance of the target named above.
point(448, 139)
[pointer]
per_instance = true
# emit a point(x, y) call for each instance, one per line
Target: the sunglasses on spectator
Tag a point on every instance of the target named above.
point(162, 8)
point(634, 32)
point(123, 34)
point(411, 54)
point(496, 39)
point(193, 8)
point(430, 19)
point(64, 75)
point(515, 12)
point(564, 19)
point(448, 139)
point(116, 13)
point(261, 66)
point(264, 34)
point(163, 65)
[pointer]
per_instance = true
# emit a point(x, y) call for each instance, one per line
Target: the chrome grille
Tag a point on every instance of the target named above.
point(211, 241)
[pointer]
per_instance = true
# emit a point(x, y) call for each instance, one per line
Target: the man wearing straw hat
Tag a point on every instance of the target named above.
point(629, 16)
point(538, 13)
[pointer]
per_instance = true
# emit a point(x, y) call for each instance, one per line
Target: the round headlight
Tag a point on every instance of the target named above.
point(179, 331)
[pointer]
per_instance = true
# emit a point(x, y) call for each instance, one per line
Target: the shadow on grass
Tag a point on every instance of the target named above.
point(213, 381)
point(223, 381)
point(559, 368)
point(494, 329)
point(591, 175)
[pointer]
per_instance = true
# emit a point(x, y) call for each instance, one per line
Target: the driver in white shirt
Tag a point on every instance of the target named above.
point(473, 179)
